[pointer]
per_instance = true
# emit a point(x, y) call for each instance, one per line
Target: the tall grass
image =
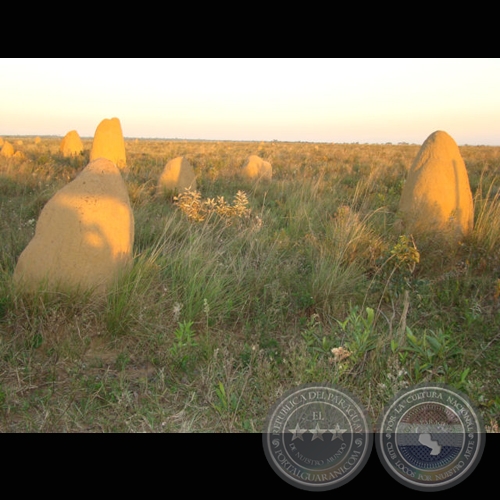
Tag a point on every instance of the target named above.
point(218, 316)
point(487, 216)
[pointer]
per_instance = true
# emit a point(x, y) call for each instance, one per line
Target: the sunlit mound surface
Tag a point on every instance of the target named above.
point(109, 143)
point(177, 175)
point(437, 197)
point(84, 236)
point(257, 168)
point(71, 144)
point(7, 149)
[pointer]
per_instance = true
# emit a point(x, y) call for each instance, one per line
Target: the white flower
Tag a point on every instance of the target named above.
point(206, 307)
point(177, 310)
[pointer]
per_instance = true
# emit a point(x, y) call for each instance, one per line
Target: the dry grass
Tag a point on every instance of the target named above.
point(242, 289)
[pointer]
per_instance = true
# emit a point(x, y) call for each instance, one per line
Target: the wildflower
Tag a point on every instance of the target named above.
point(177, 311)
point(406, 252)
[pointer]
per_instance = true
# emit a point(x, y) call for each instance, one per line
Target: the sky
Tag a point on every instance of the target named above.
point(255, 99)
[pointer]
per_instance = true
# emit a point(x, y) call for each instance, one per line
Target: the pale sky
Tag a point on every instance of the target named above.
point(256, 99)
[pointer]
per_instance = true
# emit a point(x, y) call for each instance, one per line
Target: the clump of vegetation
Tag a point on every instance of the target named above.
point(198, 209)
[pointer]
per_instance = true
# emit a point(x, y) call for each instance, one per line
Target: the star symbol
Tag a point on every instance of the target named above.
point(317, 433)
point(297, 432)
point(337, 432)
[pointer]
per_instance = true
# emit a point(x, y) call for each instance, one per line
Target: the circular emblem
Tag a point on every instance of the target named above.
point(317, 438)
point(430, 437)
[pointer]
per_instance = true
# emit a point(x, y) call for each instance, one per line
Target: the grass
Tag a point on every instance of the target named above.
point(246, 289)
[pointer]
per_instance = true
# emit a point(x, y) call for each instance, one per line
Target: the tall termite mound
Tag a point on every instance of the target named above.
point(84, 235)
point(109, 143)
point(71, 144)
point(436, 198)
point(177, 175)
point(257, 168)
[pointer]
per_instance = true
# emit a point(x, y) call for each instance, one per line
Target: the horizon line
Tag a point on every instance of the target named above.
point(386, 143)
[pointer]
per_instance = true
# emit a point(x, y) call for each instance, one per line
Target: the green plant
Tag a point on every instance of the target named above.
point(317, 342)
point(357, 332)
point(432, 355)
point(399, 266)
point(184, 342)
point(225, 403)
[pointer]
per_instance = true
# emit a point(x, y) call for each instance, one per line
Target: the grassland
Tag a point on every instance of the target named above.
point(307, 278)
